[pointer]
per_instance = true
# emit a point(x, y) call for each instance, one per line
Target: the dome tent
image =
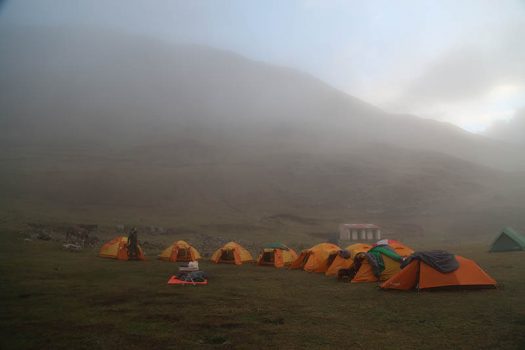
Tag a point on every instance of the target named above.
point(507, 241)
point(231, 253)
point(316, 258)
point(180, 251)
point(117, 248)
point(276, 254)
point(419, 274)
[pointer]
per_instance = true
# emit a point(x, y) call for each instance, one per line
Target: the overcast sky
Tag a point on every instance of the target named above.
point(458, 61)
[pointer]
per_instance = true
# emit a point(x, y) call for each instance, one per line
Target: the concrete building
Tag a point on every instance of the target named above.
point(359, 232)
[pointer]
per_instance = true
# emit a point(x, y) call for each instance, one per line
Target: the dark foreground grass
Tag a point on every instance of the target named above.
point(52, 299)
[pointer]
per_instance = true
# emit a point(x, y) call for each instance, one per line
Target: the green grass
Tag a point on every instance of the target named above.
point(55, 299)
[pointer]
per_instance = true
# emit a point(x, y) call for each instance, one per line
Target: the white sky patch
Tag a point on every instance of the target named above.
point(501, 103)
point(476, 115)
point(507, 92)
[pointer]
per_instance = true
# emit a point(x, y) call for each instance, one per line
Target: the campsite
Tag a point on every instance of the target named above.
point(263, 174)
point(64, 298)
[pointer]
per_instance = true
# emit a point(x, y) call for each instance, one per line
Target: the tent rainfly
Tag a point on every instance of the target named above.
point(420, 275)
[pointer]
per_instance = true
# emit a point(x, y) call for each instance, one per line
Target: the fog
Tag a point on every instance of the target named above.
point(512, 131)
point(210, 105)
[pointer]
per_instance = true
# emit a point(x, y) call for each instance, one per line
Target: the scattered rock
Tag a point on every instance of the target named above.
point(80, 235)
point(77, 235)
point(72, 247)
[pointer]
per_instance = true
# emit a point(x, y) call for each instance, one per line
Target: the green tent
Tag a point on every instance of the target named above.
point(508, 240)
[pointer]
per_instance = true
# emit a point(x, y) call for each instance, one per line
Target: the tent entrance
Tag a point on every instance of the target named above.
point(331, 259)
point(305, 258)
point(227, 256)
point(183, 255)
point(268, 258)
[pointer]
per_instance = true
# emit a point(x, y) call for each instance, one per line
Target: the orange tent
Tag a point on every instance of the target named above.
point(117, 248)
point(276, 254)
point(340, 262)
point(388, 260)
point(419, 275)
point(315, 259)
point(231, 253)
point(180, 251)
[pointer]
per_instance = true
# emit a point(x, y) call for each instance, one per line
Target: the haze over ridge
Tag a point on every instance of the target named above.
point(129, 114)
point(147, 79)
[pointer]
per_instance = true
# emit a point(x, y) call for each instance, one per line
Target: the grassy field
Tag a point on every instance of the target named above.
point(54, 299)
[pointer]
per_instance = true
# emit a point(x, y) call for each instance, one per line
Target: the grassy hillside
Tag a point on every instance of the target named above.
point(56, 299)
point(109, 129)
point(161, 188)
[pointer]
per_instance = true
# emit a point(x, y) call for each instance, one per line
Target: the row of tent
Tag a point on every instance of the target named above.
point(280, 255)
point(276, 254)
point(394, 264)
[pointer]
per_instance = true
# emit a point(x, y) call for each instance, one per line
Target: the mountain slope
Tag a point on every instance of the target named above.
point(79, 86)
point(108, 125)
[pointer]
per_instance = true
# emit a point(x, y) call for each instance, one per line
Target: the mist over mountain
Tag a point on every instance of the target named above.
point(512, 131)
point(100, 120)
point(78, 86)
